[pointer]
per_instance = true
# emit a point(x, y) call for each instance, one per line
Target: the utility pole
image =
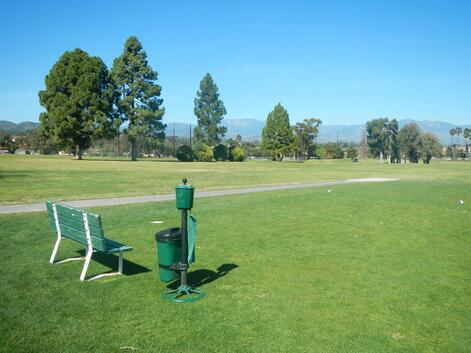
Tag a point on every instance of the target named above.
point(174, 138)
point(190, 135)
point(118, 143)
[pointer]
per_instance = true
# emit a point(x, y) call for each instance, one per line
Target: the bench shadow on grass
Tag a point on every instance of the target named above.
point(111, 261)
point(202, 277)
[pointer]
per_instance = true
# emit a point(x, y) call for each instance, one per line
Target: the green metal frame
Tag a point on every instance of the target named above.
point(183, 294)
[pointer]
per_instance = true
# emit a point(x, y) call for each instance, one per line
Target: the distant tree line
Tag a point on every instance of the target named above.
point(451, 151)
point(386, 140)
point(280, 139)
point(383, 139)
point(30, 141)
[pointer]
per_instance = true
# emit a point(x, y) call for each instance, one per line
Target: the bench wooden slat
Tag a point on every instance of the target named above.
point(73, 223)
point(94, 220)
point(98, 243)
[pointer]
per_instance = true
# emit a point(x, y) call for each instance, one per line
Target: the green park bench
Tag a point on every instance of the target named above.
point(85, 228)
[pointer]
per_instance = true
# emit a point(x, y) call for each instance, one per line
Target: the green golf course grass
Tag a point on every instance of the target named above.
point(27, 179)
point(366, 268)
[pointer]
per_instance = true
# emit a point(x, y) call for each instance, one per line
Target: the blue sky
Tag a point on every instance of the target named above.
point(343, 62)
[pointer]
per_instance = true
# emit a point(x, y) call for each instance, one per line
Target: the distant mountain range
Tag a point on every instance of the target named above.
point(251, 129)
point(353, 133)
point(17, 129)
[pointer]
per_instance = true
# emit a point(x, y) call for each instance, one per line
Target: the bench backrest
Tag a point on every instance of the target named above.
point(72, 226)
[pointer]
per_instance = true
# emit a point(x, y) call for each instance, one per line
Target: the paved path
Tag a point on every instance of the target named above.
point(37, 207)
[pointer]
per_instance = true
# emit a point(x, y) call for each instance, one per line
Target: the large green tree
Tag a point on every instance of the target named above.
point(7, 142)
point(382, 138)
point(306, 132)
point(392, 149)
point(376, 136)
point(409, 142)
point(209, 110)
point(78, 101)
point(429, 146)
point(138, 96)
point(277, 135)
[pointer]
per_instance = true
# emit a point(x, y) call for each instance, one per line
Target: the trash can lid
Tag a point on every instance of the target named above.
point(185, 187)
point(169, 234)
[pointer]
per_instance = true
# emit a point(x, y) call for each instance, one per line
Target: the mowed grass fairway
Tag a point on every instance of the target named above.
point(366, 268)
point(36, 178)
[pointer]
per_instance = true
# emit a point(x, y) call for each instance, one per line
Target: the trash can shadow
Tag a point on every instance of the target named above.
point(202, 277)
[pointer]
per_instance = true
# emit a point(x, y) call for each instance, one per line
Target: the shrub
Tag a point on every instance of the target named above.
point(220, 152)
point(321, 153)
point(203, 152)
point(352, 152)
point(185, 154)
point(461, 154)
point(333, 151)
point(236, 154)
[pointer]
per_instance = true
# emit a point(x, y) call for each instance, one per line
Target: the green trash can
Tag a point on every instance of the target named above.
point(169, 252)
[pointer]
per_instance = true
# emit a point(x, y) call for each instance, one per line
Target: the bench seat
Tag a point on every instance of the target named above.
point(114, 247)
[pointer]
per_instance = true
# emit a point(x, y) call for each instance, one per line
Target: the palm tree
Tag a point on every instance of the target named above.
point(467, 136)
point(453, 133)
point(459, 131)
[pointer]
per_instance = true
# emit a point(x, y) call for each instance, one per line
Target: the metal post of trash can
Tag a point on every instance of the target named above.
point(184, 272)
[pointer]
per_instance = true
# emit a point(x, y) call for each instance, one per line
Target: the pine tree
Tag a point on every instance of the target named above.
point(210, 110)
point(78, 100)
point(277, 135)
point(138, 101)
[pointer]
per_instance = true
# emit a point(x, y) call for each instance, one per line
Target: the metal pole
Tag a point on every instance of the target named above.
point(184, 280)
point(174, 154)
point(118, 142)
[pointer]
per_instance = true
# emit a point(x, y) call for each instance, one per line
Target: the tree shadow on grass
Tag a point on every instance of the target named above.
point(202, 277)
point(109, 260)
point(130, 161)
point(4, 175)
